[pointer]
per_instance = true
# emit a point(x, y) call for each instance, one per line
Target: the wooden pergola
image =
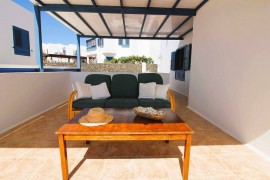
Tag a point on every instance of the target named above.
point(120, 19)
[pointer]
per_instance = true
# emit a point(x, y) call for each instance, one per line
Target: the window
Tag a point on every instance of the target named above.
point(64, 51)
point(100, 42)
point(91, 44)
point(21, 41)
point(124, 42)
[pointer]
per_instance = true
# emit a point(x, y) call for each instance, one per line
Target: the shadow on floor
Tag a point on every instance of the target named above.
point(130, 150)
point(40, 132)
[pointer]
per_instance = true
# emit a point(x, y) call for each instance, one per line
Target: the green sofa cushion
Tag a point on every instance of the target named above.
point(155, 103)
point(122, 103)
point(124, 86)
point(150, 77)
point(95, 79)
point(88, 103)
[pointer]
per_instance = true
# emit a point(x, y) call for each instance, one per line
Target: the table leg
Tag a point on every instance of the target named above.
point(63, 156)
point(186, 157)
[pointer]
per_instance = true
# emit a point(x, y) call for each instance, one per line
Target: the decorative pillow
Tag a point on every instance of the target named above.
point(83, 90)
point(147, 90)
point(161, 91)
point(100, 91)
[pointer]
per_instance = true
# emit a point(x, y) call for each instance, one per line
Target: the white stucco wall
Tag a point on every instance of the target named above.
point(26, 95)
point(181, 87)
point(230, 76)
point(158, 50)
point(50, 48)
point(11, 14)
point(148, 48)
point(167, 46)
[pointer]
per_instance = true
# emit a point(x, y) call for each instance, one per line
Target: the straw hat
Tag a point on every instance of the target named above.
point(96, 117)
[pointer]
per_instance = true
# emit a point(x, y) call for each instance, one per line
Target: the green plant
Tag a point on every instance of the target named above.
point(132, 60)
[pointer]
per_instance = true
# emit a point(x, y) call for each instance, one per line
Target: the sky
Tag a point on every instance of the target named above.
point(52, 30)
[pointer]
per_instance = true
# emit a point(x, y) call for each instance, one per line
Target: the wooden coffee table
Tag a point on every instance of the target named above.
point(126, 126)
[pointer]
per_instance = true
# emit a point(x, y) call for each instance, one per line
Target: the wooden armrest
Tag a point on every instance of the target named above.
point(172, 100)
point(70, 100)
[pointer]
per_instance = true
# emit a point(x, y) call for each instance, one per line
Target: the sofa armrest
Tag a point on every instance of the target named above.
point(172, 100)
point(70, 100)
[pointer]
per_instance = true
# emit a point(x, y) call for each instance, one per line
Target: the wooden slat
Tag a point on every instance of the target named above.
point(126, 137)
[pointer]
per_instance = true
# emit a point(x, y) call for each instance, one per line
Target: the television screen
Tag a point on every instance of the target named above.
point(180, 59)
point(173, 60)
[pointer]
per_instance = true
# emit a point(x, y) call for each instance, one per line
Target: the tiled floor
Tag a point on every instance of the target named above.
point(30, 151)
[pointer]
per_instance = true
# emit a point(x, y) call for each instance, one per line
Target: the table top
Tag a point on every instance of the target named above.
point(126, 122)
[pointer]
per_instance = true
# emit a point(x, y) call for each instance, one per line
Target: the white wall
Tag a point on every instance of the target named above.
point(148, 48)
point(13, 14)
point(181, 87)
point(167, 46)
point(50, 48)
point(230, 76)
point(158, 50)
point(26, 95)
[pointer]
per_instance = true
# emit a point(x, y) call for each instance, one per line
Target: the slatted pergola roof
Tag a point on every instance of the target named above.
point(129, 19)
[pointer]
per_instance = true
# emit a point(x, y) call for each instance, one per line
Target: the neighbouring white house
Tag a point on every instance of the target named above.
point(159, 50)
point(70, 49)
point(61, 49)
point(17, 45)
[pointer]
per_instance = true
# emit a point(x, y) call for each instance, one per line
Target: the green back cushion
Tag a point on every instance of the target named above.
point(95, 79)
point(150, 77)
point(124, 86)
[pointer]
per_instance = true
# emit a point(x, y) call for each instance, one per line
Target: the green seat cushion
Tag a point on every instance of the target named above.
point(124, 86)
point(88, 103)
point(122, 103)
point(155, 103)
point(150, 77)
point(95, 79)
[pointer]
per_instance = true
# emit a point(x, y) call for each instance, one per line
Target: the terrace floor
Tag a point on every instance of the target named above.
point(30, 151)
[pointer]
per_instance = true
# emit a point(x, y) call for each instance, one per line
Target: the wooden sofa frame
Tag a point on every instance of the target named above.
point(72, 112)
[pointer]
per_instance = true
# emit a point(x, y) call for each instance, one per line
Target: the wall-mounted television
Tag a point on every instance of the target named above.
point(181, 58)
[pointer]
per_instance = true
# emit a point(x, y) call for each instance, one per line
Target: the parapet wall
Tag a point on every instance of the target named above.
point(107, 67)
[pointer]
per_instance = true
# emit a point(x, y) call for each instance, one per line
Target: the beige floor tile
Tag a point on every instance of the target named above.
point(173, 166)
point(21, 168)
point(114, 169)
point(241, 164)
point(31, 152)
point(134, 149)
point(229, 149)
point(5, 163)
point(210, 165)
point(172, 148)
point(87, 169)
point(97, 149)
point(149, 169)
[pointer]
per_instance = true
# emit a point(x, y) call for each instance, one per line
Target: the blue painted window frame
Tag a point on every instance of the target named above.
point(124, 43)
point(91, 44)
point(100, 42)
point(21, 41)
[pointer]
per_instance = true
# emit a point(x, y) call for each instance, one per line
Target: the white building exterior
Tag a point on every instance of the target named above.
point(15, 15)
point(158, 50)
point(71, 49)
point(62, 49)
point(12, 14)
